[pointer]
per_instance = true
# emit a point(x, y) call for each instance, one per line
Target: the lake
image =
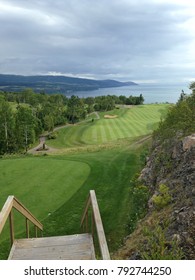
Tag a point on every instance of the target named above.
point(152, 93)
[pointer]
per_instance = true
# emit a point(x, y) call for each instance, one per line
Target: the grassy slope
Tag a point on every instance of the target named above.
point(109, 173)
point(137, 121)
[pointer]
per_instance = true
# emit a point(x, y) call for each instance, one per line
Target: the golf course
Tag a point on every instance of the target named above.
point(100, 153)
point(127, 123)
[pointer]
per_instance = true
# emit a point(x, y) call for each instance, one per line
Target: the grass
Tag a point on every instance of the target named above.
point(58, 185)
point(63, 192)
point(112, 189)
point(134, 122)
point(41, 184)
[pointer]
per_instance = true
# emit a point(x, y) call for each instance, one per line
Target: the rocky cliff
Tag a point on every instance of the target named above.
point(168, 230)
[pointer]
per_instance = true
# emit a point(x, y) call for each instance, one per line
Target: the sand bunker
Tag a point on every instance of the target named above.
point(110, 116)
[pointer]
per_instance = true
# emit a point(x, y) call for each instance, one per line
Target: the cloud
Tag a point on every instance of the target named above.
point(104, 39)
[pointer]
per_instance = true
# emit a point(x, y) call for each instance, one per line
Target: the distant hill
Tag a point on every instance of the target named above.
point(55, 84)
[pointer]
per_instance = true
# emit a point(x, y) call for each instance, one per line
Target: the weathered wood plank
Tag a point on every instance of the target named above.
point(86, 209)
point(10, 203)
point(52, 253)
point(95, 219)
point(73, 247)
point(11, 226)
point(5, 211)
point(54, 240)
point(25, 212)
point(99, 227)
point(27, 228)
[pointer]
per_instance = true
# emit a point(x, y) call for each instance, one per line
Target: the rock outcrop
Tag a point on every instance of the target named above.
point(172, 164)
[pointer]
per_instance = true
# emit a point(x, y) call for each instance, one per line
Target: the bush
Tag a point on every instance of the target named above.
point(139, 195)
point(180, 118)
point(163, 198)
point(53, 135)
point(158, 248)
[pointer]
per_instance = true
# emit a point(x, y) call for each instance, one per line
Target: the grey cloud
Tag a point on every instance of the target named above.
point(102, 38)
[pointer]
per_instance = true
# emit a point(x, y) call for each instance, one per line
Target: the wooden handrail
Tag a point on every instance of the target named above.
point(96, 218)
point(6, 212)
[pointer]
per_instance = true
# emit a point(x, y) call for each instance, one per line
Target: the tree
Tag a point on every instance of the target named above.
point(6, 127)
point(104, 103)
point(90, 102)
point(122, 99)
point(192, 86)
point(141, 99)
point(76, 109)
point(25, 127)
point(26, 95)
point(183, 95)
point(179, 119)
point(48, 123)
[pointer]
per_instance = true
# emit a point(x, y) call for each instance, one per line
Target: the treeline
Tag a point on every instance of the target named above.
point(25, 115)
point(179, 121)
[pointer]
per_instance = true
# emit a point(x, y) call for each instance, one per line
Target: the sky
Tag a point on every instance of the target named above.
point(145, 41)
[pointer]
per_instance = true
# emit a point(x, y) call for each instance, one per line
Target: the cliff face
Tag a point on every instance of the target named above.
point(171, 164)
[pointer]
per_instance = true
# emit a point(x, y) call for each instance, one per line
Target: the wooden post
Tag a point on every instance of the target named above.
point(35, 231)
point(86, 222)
point(99, 227)
point(92, 225)
point(27, 228)
point(11, 224)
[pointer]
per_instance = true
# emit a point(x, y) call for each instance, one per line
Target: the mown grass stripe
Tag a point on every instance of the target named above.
point(122, 128)
point(109, 134)
point(116, 130)
point(138, 120)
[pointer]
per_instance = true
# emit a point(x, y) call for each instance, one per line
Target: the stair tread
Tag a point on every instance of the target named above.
point(68, 247)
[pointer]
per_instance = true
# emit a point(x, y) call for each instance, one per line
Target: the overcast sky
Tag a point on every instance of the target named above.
point(126, 40)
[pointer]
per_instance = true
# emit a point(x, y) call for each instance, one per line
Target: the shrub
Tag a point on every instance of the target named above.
point(158, 247)
point(139, 195)
point(163, 198)
point(53, 135)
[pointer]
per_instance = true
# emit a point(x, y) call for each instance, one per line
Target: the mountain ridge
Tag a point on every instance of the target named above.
point(55, 84)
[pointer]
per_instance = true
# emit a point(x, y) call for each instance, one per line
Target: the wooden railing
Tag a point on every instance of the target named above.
point(7, 211)
point(97, 221)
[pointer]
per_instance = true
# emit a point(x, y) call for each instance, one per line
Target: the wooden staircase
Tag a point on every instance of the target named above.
point(69, 247)
point(73, 247)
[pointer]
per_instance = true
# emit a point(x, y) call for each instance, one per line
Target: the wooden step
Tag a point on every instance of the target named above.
point(69, 247)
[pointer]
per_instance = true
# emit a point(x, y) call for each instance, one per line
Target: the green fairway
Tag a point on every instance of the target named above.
point(55, 187)
point(132, 122)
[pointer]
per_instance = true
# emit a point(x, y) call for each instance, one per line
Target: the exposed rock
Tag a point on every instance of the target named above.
point(173, 164)
point(188, 142)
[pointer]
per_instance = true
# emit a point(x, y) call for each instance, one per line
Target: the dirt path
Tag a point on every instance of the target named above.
point(97, 115)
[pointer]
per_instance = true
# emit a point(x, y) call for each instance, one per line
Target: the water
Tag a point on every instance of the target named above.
point(152, 93)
